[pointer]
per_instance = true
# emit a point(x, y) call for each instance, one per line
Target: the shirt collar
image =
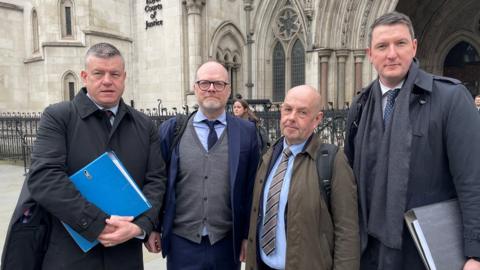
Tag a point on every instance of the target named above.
point(199, 117)
point(113, 109)
point(385, 89)
point(295, 148)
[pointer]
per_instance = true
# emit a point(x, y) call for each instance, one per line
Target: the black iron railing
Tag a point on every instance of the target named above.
point(18, 130)
point(17, 134)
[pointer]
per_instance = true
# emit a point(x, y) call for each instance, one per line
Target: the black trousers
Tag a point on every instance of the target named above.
point(187, 255)
point(379, 257)
point(263, 266)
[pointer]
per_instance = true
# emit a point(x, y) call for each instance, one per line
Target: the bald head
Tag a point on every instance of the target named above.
point(300, 114)
point(212, 67)
point(307, 93)
point(212, 100)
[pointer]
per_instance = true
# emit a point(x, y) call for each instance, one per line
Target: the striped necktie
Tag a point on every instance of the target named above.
point(391, 96)
point(271, 214)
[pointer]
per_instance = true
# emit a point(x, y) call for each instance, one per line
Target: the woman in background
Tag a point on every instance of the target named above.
point(242, 109)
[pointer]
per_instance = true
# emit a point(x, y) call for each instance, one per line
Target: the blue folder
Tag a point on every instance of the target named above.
point(107, 184)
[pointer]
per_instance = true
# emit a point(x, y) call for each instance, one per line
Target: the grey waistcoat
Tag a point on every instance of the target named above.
point(202, 189)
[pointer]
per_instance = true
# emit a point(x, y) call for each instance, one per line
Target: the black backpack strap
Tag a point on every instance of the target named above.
point(325, 157)
point(353, 120)
point(181, 121)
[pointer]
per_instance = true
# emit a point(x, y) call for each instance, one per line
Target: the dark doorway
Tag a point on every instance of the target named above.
point(463, 63)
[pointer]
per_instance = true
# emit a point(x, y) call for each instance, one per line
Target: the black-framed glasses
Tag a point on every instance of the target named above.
point(204, 85)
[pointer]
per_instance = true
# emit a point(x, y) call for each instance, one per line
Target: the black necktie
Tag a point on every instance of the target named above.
point(107, 116)
point(391, 96)
point(212, 134)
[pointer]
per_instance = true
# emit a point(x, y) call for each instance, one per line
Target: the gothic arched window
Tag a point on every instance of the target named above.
point(278, 73)
point(66, 17)
point(69, 86)
point(297, 70)
point(35, 39)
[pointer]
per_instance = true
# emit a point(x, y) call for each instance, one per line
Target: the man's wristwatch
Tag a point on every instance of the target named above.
point(474, 258)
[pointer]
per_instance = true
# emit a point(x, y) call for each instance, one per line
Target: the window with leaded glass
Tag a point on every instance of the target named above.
point(278, 73)
point(298, 64)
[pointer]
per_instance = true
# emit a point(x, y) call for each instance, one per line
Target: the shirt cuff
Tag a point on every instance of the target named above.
point(141, 236)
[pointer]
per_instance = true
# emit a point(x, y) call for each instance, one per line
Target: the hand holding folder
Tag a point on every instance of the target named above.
point(107, 184)
point(437, 230)
point(119, 229)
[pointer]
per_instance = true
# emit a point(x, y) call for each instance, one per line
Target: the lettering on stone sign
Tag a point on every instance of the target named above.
point(152, 8)
point(149, 24)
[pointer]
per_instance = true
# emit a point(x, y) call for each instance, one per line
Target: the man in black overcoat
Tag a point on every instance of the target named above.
point(71, 135)
point(413, 140)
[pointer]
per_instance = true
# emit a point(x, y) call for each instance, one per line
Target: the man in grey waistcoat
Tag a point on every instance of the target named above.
point(211, 158)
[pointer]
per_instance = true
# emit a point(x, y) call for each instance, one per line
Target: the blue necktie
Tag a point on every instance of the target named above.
point(391, 96)
point(212, 134)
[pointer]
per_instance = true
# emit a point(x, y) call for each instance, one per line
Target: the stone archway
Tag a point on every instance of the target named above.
point(439, 25)
point(463, 62)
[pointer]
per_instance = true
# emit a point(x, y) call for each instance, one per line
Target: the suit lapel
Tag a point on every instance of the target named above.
point(234, 142)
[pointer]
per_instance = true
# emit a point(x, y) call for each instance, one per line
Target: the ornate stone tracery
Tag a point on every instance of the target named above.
point(363, 26)
point(286, 23)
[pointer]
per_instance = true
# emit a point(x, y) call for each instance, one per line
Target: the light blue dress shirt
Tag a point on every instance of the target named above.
point(202, 129)
point(276, 259)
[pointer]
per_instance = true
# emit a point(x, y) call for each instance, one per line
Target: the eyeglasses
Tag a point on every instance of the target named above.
point(204, 85)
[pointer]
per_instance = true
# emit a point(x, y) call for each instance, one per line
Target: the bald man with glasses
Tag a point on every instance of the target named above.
point(211, 169)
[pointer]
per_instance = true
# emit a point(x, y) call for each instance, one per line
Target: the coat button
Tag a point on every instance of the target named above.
point(83, 223)
point(254, 209)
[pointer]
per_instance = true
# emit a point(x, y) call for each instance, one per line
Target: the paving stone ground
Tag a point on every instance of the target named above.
point(11, 180)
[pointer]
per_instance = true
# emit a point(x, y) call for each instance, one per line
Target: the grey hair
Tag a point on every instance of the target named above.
point(103, 50)
point(391, 18)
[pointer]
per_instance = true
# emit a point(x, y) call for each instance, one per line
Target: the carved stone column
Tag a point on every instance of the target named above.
point(323, 57)
point(359, 55)
point(341, 59)
point(248, 8)
point(194, 9)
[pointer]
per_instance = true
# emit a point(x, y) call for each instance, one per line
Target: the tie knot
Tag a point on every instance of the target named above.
point(287, 152)
point(211, 124)
point(392, 94)
point(108, 113)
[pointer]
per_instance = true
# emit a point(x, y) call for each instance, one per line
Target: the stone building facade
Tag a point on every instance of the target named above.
point(267, 46)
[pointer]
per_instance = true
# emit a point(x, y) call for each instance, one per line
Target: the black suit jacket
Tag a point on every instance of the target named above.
point(243, 155)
